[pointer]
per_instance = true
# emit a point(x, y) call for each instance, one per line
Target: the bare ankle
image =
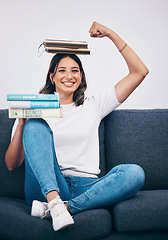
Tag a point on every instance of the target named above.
point(52, 195)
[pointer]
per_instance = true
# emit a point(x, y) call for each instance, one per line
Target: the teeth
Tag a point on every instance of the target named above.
point(68, 83)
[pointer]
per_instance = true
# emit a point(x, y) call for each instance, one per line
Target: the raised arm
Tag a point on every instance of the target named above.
point(15, 153)
point(137, 69)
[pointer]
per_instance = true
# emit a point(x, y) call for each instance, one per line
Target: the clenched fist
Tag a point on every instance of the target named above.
point(98, 30)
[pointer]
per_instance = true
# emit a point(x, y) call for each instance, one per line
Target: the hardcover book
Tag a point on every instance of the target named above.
point(34, 97)
point(67, 50)
point(65, 43)
point(35, 113)
point(34, 104)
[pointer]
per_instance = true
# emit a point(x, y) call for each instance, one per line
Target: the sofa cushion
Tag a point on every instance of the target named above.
point(140, 137)
point(147, 211)
point(153, 235)
point(15, 214)
point(11, 183)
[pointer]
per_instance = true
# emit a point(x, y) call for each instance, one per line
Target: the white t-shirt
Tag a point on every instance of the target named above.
point(76, 134)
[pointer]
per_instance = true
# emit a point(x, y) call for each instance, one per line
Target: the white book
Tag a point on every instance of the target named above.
point(35, 113)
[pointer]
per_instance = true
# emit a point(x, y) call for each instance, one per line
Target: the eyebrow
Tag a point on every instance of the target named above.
point(72, 67)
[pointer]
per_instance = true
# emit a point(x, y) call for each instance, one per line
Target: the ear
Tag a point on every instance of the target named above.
point(51, 76)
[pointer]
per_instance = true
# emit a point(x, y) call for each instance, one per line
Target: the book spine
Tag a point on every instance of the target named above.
point(68, 52)
point(35, 113)
point(65, 45)
point(34, 104)
point(34, 97)
point(67, 42)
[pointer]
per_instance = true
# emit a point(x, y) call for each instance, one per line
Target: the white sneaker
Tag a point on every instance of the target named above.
point(61, 218)
point(40, 209)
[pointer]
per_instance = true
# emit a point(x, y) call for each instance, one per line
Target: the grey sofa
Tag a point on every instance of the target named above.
point(126, 136)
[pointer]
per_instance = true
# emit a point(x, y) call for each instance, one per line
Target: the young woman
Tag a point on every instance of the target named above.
point(62, 155)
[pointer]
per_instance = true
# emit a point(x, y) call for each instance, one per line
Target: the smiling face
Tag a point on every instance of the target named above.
point(67, 77)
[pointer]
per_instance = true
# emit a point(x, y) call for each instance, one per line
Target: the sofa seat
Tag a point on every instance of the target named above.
point(17, 223)
point(147, 211)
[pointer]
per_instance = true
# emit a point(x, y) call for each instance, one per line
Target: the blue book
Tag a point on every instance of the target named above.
point(34, 97)
point(34, 104)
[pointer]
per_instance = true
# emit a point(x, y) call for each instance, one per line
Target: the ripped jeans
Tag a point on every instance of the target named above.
point(42, 175)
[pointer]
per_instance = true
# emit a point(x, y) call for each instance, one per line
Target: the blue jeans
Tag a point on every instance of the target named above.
point(42, 175)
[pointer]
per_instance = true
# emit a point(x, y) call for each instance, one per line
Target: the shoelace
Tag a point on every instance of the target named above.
point(47, 212)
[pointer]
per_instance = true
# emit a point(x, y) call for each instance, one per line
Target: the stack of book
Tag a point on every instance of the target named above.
point(34, 106)
point(66, 47)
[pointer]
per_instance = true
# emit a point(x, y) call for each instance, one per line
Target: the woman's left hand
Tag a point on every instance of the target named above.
point(98, 30)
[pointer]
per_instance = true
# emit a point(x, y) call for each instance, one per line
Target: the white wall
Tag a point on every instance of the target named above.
point(142, 24)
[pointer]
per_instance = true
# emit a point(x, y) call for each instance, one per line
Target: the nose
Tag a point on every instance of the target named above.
point(68, 75)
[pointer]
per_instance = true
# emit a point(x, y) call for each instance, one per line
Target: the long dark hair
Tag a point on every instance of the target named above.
point(49, 88)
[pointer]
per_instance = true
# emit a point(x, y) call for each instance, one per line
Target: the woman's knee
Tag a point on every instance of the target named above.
point(138, 174)
point(35, 125)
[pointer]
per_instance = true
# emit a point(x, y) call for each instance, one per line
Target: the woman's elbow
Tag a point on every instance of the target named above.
point(140, 76)
point(144, 72)
point(8, 162)
point(9, 167)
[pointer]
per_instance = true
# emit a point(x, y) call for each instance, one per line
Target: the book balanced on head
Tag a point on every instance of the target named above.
point(34, 106)
point(65, 46)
